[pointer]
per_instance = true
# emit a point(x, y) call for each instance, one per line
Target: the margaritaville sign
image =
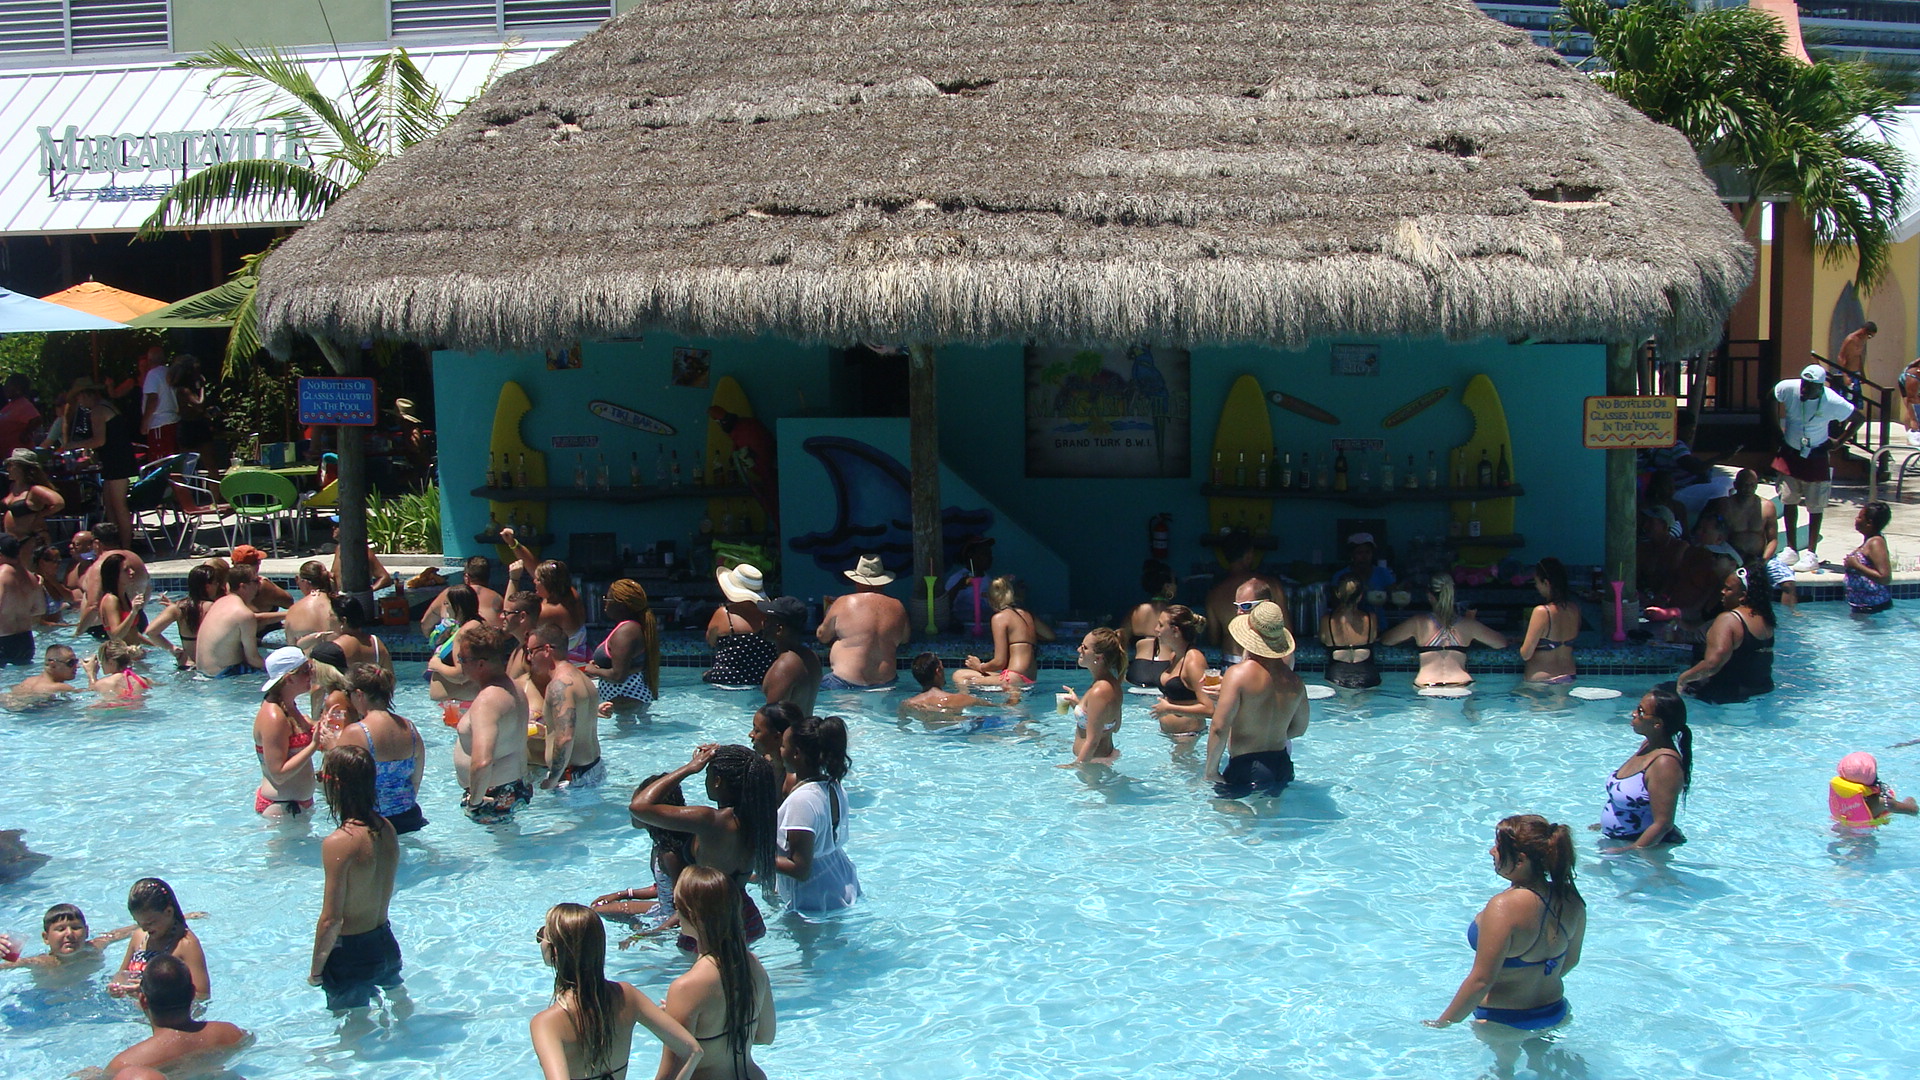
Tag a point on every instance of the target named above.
point(76, 154)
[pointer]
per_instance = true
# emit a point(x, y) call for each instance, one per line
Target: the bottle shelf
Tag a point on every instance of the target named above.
point(1366, 498)
point(540, 541)
point(611, 495)
point(1504, 540)
point(1260, 543)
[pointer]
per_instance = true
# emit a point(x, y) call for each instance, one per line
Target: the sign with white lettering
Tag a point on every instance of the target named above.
point(73, 154)
point(1631, 423)
point(348, 401)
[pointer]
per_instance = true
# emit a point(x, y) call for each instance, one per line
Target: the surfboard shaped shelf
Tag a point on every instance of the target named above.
point(611, 495)
point(1368, 498)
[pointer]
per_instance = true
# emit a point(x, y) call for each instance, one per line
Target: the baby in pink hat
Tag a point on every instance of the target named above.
point(1857, 797)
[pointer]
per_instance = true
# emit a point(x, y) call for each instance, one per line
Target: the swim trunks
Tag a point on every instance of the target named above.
point(237, 670)
point(1267, 772)
point(1544, 1016)
point(408, 820)
point(830, 681)
point(17, 648)
point(590, 775)
point(357, 964)
point(500, 802)
point(294, 807)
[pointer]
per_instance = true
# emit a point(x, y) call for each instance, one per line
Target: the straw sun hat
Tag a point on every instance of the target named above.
point(1263, 631)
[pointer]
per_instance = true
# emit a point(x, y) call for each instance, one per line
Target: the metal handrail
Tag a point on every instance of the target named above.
point(1883, 407)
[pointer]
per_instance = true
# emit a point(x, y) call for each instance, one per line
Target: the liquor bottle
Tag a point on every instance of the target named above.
point(1340, 471)
point(673, 470)
point(1454, 527)
point(1486, 471)
point(660, 468)
point(1320, 480)
point(1240, 471)
point(1284, 479)
point(503, 476)
point(633, 468)
point(600, 477)
point(520, 471)
point(1433, 472)
point(493, 523)
point(1502, 475)
point(1219, 469)
point(1260, 478)
point(493, 475)
point(1386, 474)
point(699, 472)
point(579, 472)
point(1473, 519)
point(1413, 478)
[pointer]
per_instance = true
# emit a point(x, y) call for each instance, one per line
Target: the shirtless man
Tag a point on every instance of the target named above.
point(378, 576)
point(166, 997)
point(795, 674)
point(271, 596)
point(21, 604)
point(863, 630)
point(1753, 525)
point(353, 946)
point(1225, 600)
point(931, 674)
point(479, 578)
point(310, 619)
point(84, 549)
point(1853, 358)
point(56, 677)
point(133, 571)
point(569, 705)
point(490, 757)
point(228, 643)
point(1262, 709)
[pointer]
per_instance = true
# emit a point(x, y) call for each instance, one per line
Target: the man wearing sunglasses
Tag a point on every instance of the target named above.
point(569, 707)
point(55, 678)
point(1236, 593)
point(490, 758)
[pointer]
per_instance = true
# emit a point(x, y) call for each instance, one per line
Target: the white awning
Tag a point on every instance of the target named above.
point(87, 148)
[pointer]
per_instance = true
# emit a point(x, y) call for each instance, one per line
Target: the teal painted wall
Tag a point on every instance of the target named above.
point(1100, 526)
point(200, 23)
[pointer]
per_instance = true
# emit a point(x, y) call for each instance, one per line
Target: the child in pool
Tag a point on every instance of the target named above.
point(159, 927)
point(649, 909)
point(1857, 797)
point(64, 929)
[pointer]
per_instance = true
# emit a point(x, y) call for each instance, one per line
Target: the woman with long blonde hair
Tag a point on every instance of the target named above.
point(726, 992)
point(588, 1030)
point(1096, 714)
point(1443, 637)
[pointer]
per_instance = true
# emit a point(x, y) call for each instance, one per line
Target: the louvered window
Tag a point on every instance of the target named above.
point(492, 16)
point(81, 26)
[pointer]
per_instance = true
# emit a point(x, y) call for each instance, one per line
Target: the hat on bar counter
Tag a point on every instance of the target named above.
point(871, 571)
point(741, 583)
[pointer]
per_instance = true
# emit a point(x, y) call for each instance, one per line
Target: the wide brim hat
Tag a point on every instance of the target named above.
point(24, 455)
point(870, 571)
point(741, 583)
point(403, 408)
point(1263, 631)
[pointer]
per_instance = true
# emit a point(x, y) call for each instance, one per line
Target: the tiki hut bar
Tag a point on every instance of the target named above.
point(808, 280)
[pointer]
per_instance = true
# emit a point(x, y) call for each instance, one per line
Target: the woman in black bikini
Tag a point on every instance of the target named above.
point(726, 993)
point(186, 613)
point(588, 1030)
point(1146, 666)
point(94, 424)
point(1738, 660)
point(736, 835)
point(1443, 637)
point(1016, 637)
point(1349, 634)
point(1181, 710)
point(31, 499)
point(1548, 645)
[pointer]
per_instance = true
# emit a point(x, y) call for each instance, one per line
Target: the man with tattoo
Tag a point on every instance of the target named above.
point(570, 705)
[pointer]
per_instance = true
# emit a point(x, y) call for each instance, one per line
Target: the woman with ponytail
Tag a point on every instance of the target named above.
point(735, 835)
point(626, 666)
point(312, 615)
point(726, 993)
point(588, 1030)
point(1182, 709)
point(1443, 637)
point(1644, 792)
point(355, 639)
point(816, 877)
point(1527, 938)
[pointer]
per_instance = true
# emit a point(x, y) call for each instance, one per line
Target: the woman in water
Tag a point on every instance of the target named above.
point(588, 1030)
point(160, 928)
point(1547, 647)
point(399, 757)
point(768, 736)
point(355, 639)
point(741, 655)
point(1644, 792)
point(1016, 634)
point(283, 737)
point(726, 992)
point(1738, 658)
point(120, 611)
point(735, 835)
point(31, 499)
point(114, 679)
point(816, 877)
point(445, 679)
point(185, 614)
point(1869, 567)
point(1096, 714)
point(559, 604)
point(1349, 632)
point(1181, 709)
point(626, 665)
point(1443, 637)
point(1156, 580)
point(1527, 938)
point(312, 615)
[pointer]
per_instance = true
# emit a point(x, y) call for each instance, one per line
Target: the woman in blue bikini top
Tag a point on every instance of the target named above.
point(1527, 938)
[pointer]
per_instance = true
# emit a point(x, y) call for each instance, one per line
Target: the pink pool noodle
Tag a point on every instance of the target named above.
point(1619, 615)
point(976, 606)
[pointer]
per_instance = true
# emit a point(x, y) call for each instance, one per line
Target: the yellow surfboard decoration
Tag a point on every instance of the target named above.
point(513, 407)
point(1489, 438)
point(1245, 429)
point(749, 518)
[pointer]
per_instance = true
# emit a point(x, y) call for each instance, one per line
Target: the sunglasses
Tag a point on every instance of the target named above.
point(1244, 606)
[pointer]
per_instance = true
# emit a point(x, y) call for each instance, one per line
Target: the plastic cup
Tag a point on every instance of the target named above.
point(1063, 703)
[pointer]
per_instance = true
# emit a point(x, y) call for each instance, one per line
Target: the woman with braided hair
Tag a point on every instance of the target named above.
point(626, 666)
point(734, 836)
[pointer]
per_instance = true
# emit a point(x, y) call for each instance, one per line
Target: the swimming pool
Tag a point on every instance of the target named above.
point(1027, 921)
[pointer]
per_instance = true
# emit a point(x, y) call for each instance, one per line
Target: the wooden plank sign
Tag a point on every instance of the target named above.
point(607, 410)
point(1630, 423)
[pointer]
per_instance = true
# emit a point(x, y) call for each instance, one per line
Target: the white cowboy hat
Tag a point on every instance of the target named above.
point(1263, 631)
point(871, 571)
point(741, 583)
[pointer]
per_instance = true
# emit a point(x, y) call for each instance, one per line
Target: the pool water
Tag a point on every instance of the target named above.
point(1023, 920)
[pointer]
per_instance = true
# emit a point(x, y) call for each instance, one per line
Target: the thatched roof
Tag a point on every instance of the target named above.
point(1005, 170)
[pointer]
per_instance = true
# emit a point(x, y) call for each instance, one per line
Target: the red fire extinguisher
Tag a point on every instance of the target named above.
point(1160, 536)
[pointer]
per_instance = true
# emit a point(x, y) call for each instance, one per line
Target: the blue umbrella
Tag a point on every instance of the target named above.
point(29, 315)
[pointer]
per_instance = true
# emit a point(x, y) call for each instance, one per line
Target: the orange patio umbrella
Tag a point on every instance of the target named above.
point(105, 301)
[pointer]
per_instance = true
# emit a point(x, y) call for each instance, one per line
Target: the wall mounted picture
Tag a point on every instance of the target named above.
point(1108, 412)
point(566, 359)
point(690, 367)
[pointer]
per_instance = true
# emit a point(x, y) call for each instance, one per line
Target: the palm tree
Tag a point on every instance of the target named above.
point(389, 106)
point(1780, 128)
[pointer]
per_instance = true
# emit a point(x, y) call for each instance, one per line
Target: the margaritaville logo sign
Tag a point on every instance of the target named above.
point(76, 154)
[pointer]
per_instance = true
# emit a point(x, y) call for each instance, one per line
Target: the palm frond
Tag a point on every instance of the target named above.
point(268, 185)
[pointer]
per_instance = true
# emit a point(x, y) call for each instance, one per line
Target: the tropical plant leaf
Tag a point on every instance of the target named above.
point(268, 185)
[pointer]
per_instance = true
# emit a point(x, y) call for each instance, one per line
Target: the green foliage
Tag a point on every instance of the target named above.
point(1806, 132)
point(22, 353)
point(408, 523)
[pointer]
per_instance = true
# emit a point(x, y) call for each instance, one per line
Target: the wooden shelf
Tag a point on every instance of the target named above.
point(1367, 498)
point(1504, 540)
point(611, 495)
point(1260, 543)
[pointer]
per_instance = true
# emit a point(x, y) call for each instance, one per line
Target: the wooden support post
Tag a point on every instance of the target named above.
point(355, 577)
point(1622, 494)
point(923, 412)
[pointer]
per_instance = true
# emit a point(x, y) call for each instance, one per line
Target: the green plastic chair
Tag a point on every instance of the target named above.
point(255, 495)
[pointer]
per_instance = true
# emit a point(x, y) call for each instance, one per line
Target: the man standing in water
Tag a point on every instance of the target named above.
point(166, 997)
point(21, 604)
point(229, 640)
point(490, 757)
point(863, 631)
point(570, 708)
point(353, 946)
point(1262, 709)
point(795, 674)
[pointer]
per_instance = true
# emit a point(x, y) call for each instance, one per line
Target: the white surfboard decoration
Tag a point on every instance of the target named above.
point(620, 414)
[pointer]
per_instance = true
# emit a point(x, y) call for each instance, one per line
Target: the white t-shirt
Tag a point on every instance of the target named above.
point(167, 409)
point(834, 884)
point(1806, 422)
